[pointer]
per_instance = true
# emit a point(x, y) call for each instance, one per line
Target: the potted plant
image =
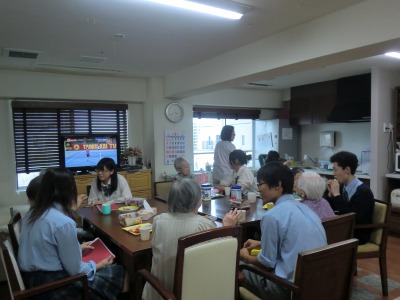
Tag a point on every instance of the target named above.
point(132, 154)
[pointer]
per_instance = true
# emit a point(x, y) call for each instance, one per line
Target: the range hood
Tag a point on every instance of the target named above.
point(353, 100)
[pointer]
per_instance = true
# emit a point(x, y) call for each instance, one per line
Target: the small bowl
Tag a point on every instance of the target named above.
point(127, 209)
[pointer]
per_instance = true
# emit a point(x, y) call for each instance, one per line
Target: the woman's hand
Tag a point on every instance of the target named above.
point(105, 262)
point(81, 198)
point(86, 246)
point(231, 218)
point(97, 202)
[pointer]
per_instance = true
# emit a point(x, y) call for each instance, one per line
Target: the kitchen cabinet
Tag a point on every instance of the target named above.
point(312, 103)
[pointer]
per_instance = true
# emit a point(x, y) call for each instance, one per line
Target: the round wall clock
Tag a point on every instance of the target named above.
point(174, 112)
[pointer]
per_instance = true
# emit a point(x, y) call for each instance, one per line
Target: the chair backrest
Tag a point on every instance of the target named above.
point(261, 159)
point(14, 278)
point(161, 188)
point(381, 215)
point(339, 228)
point(207, 264)
point(327, 272)
point(14, 230)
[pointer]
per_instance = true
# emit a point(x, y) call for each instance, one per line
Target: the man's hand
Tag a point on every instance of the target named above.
point(333, 187)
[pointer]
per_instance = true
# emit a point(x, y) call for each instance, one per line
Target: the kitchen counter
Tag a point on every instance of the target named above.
point(330, 172)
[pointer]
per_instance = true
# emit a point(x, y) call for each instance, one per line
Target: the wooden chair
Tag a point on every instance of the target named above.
point(17, 286)
point(339, 228)
point(161, 189)
point(376, 247)
point(323, 273)
point(14, 230)
point(206, 266)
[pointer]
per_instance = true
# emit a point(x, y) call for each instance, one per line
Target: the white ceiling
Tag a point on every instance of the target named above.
point(138, 38)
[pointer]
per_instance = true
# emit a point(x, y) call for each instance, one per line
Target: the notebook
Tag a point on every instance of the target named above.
point(97, 254)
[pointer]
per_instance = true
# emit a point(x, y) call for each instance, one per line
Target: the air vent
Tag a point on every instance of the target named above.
point(19, 53)
point(259, 84)
point(74, 69)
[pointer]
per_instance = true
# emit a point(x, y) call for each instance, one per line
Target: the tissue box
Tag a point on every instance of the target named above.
point(129, 219)
point(139, 202)
point(145, 215)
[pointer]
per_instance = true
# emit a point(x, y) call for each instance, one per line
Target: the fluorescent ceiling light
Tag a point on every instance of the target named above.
point(393, 54)
point(201, 8)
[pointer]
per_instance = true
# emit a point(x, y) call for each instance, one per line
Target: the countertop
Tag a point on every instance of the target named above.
point(393, 175)
point(330, 172)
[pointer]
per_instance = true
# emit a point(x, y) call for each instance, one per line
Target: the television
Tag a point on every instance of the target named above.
point(80, 153)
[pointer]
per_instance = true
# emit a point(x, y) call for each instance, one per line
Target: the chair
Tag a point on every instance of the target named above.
point(161, 189)
point(14, 230)
point(262, 158)
point(339, 228)
point(206, 266)
point(17, 286)
point(376, 247)
point(323, 273)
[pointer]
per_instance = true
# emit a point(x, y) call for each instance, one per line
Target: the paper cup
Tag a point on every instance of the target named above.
point(242, 217)
point(252, 197)
point(106, 208)
point(227, 190)
point(145, 233)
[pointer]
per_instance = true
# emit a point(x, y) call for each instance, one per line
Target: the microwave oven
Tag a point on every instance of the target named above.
point(397, 162)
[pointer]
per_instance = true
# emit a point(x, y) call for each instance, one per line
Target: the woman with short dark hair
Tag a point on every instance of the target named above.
point(222, 169)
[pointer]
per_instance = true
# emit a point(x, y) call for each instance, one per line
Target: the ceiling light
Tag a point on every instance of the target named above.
point(393, 54)
point(211, 10)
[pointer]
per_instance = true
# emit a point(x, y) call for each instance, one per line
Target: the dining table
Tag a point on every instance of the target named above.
point(133, 253)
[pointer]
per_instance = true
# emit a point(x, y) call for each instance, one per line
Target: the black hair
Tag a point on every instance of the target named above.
point(32, 188)
point(239, 155)
point(226, 132)
point(57, 185)
point(272, 156)
point(296, 170)
point(109, 164)
point(345, 159)
point(273, 173)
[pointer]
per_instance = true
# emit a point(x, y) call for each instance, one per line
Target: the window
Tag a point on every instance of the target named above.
point(203, 147)
point(38, 125)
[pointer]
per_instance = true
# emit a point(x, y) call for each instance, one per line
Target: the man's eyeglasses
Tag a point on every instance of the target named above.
point(260, 184)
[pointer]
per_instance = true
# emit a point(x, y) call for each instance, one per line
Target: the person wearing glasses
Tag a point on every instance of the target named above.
point(222, 167)
point(286, 230)
point(183, 168)
point(108, 186)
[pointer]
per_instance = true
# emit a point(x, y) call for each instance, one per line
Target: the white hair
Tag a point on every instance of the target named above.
point(312, 184)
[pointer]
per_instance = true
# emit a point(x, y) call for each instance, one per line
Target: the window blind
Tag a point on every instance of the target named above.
point(38, 126)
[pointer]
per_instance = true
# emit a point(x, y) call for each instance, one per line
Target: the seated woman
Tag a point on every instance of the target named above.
point(311, 186)
point(108, 186)
point(184, 199)
point(241, 175)
point(49, 248)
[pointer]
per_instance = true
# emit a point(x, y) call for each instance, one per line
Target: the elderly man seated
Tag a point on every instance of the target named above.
point(183, 168)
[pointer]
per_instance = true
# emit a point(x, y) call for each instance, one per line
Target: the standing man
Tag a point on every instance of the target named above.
point(286, 230)
point(346, 193)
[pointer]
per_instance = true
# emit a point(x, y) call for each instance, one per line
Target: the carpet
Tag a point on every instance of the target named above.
point(368, 286)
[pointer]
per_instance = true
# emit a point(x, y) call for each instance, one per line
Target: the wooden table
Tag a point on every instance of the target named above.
point(136, 254)
point(133, 252)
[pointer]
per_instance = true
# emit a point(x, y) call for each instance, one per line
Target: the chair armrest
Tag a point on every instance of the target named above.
point(371, 226)
point(157, 285)
point(40, 289)
point(270, 276)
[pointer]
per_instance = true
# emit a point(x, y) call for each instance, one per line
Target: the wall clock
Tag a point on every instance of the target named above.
point(174, 112)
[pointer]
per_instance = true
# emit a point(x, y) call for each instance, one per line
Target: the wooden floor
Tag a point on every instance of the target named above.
point(365, 267)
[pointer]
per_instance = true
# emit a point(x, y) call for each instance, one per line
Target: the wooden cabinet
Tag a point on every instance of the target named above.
point(312, 103)
point(82, 181)
point(140, 183)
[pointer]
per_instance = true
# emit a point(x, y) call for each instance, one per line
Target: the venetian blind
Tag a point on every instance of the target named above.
point(38, 126)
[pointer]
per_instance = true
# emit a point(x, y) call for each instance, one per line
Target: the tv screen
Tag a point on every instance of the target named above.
point(83, 152)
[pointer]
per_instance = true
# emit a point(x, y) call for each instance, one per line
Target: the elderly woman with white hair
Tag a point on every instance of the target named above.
point(184, 199)
point(310, 187)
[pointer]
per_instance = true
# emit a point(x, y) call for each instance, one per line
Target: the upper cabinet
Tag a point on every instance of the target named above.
point(343, 100)
point(312, 103)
